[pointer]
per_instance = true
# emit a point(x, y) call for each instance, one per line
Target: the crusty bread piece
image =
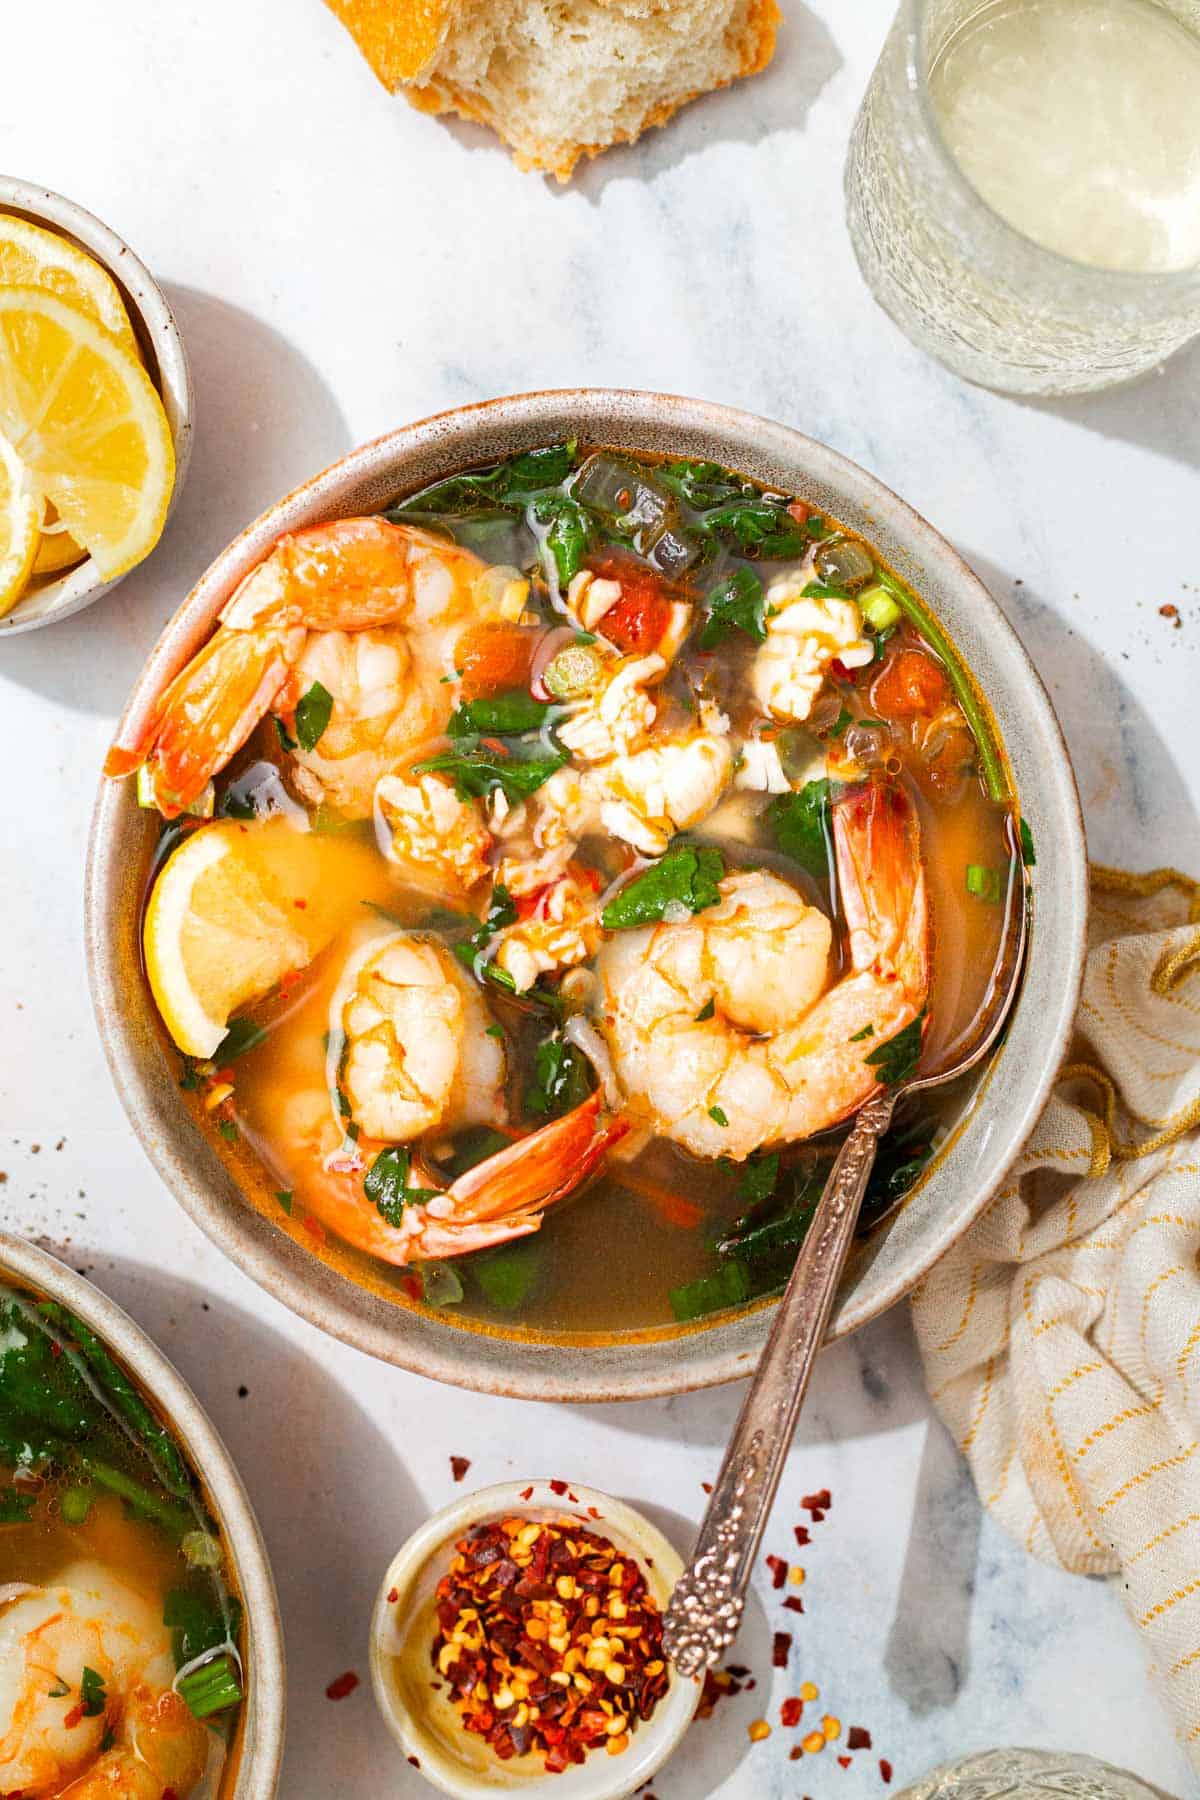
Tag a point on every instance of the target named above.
point(561, 79)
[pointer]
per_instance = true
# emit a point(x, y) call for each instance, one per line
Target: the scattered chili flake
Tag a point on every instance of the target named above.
point(594, 1513)
point(719, 1684)
point(802, 1537)
point(814, 1743)
point(781, 1649)
point(1171, 612)
point(791, 1713)
point(707, 1486)
point(459, 1466)
point(758, 1730)
point(739, 1671)
point(844, 1762)
point(72, 1718)
point(549, 1640)
point(858, 1738)
point(415, 1761)
point(817, 1503)
point(526, 1492)
point(558, 1487)
point(778, 1570)
point(885, 1768)
point(794, 1755)
point(393, 1596)
point(345, 1684)
point(810, 1691)
point(314, 1227)
point(794, 1603)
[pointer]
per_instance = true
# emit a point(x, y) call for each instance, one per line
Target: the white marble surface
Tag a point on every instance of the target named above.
point(341, 264)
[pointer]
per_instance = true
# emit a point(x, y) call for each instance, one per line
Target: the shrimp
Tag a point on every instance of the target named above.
point(805, 633)
point(616, 713)
point(725, 1031)
point(674, 782)
point(437, 838)
point(556, 928)
point(138, 1741)
point(539, 837)
point(370, 610)
point(416, 1053)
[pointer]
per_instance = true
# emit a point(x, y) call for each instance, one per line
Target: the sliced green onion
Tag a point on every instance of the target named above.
point(878, 607)
point(984, 883)
point(212, 1688)
point(76, 1504)
point(572, 672)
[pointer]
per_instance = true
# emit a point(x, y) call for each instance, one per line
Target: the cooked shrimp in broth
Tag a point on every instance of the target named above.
point(555, 863)
point(122, 1655)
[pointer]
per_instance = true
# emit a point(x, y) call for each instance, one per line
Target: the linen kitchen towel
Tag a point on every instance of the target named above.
point(1061, 1336)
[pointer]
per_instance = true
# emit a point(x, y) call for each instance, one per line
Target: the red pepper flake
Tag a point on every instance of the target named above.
point(739, 1671)
point(794, 1603)
point(55, 1350)
point(71, 1719)
point(858, 1738)
point(526, 1493)
point(415, 1761)
point(885, 1768)
point(558, 1487)
point(314, 1228)
point(459, 1466)
point(594, 1513)
point(1171, 612)
point(781, 1649)
point(791, 1713)
point(845, 1761)
point(302, 904)
point(794, 1755)
point(345, 1684)
point(719, 1684)
point(779, 1570)
point(802, 1537)
point(393, 1596)
point(707, 1486)
point(817, 1503)
point(535, 1593)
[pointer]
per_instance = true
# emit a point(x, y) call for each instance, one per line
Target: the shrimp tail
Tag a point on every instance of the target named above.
point(505, 1195)
point(877, 842)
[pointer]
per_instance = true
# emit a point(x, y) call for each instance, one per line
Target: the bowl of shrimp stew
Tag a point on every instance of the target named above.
point(525, 849)
point(132, 1570)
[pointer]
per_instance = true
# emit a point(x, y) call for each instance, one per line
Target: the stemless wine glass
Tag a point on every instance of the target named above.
point(1029, 1775)
point(965, 285)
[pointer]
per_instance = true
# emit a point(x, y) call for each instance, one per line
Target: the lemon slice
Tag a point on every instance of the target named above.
point(56, 550)
point(20, 526)
point(83, 416)
point(31, 256)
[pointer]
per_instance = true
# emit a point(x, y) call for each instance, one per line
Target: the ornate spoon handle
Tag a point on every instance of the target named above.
point(706, 1606)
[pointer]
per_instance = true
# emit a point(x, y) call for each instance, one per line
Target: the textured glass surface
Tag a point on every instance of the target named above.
point(964, 285)
point(1028, 1775)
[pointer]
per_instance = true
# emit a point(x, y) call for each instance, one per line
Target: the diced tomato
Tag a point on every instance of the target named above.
point(909, 686)
point(801, 511)
point(495, 658)
point(639, 620)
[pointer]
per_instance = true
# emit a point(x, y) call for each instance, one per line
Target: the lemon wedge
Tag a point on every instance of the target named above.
point(83, 416)
point(20, 526)
point(31, 256)
point(235, 908)
point(56, 550)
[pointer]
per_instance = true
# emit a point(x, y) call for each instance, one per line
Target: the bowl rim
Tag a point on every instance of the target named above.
point(263, 1729)
point(597, 1510)
point(82, 586)
point(629, 1367)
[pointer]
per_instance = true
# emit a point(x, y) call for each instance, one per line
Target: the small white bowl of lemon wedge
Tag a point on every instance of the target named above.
point(95, 408)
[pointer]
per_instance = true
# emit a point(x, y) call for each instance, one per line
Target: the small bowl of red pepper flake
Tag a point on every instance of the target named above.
point(517, 1640)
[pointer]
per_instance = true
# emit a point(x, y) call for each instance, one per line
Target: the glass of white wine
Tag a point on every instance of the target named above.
point(1023, 186)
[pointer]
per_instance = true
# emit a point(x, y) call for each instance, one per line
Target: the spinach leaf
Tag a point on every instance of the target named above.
point(896, 1060)
point(801, 826)
point(501, 911)
point(568, 535)
point(758, 1178)
point(243, 1035)
point(687, 877)
point(759, 527)
point(386, 1184)
point(312, 715)
point(505, 487)
point(477, 771)
point(507, 1276)
point(15, 1507)
point(561, 1079)
point(200, 1617)
point(735, 604)
point(500, 715)
point(702, 484)
point(725, 1287)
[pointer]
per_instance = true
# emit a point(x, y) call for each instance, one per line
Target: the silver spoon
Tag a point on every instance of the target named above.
point(705, 1609)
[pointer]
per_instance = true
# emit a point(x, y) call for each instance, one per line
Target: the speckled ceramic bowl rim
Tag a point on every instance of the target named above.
point(263, 1731)
point(600, 1777)
point(83, 586)
point(896, 1256)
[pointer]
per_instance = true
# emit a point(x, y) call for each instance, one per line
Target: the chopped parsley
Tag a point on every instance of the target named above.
point(312, 715)
point(800, 823)
point(386, 1184)
point(478, 770)
point(735, 604)
point(284, 1197)
point(561, 1079)
point(718, 1115)
point(866, 1032)
point(92, 1695)
point(706, 1011)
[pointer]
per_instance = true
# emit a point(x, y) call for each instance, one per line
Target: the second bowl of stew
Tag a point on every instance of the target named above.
point(527, 847)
